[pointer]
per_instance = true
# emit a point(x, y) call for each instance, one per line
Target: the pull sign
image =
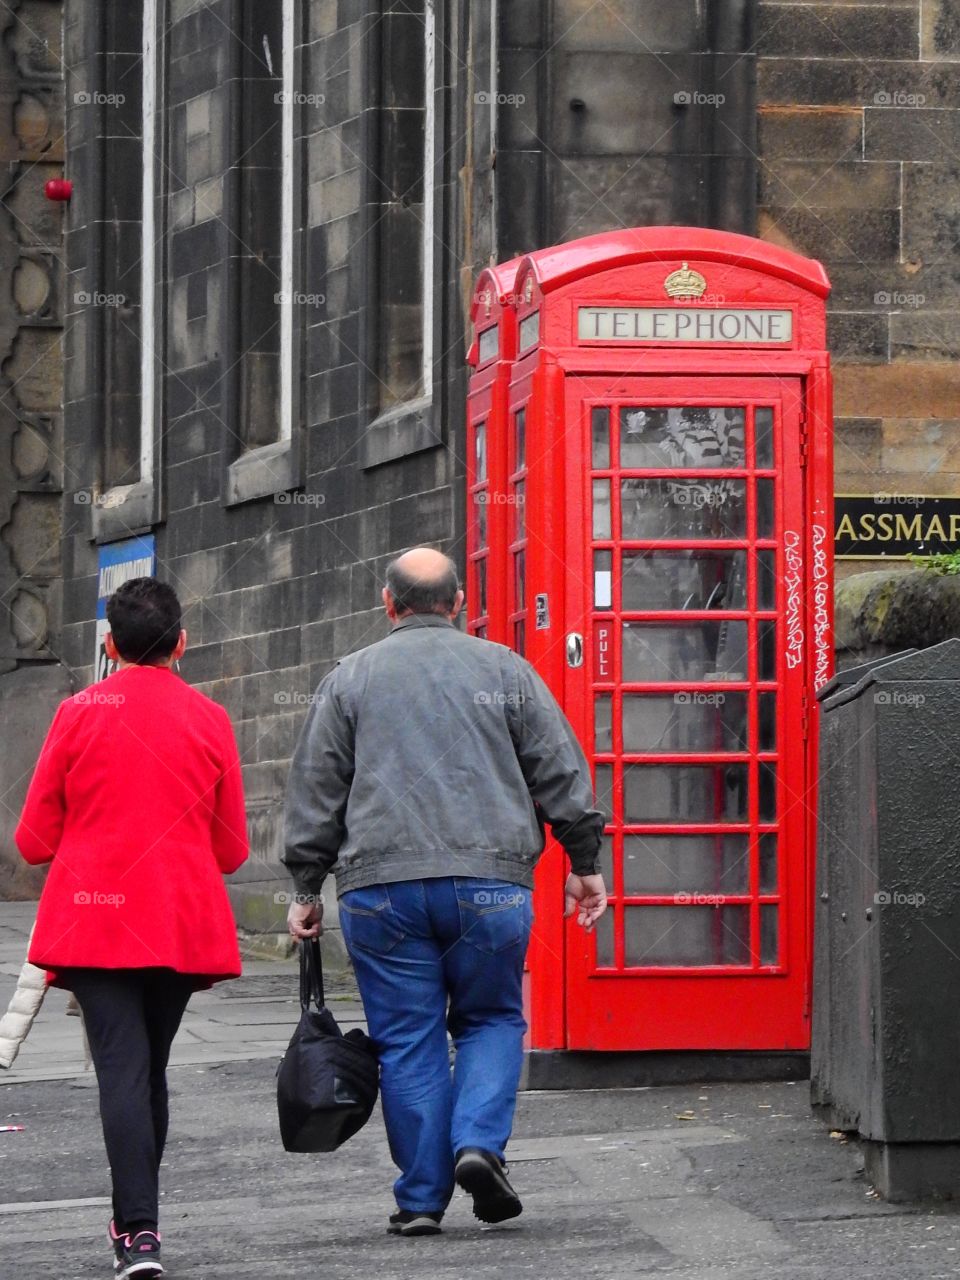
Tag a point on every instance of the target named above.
point(542, 612)
point(602, 651)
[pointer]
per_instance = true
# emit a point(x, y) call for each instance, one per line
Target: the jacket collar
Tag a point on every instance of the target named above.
point(422, 620)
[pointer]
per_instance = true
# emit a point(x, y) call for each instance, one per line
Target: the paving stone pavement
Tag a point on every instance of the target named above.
point(721, 1182)
point(234, 1021)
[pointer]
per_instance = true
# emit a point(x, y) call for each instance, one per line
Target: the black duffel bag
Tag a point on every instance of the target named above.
point(327, 1082)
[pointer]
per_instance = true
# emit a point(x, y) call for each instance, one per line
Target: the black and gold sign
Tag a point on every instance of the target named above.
point(894, 525)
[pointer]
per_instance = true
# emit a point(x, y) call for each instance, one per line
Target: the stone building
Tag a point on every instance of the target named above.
point(278, 213)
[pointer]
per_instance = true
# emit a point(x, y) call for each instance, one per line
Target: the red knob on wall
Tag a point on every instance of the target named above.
point(58, 189)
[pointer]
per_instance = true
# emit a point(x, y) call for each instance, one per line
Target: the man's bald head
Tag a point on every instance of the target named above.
point(423, 581)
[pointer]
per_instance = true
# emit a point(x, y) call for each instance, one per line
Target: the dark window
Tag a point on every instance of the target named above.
point(262, 319)
point(117, 300)
point(405, 231)
point(116, 295)
point(259, 224)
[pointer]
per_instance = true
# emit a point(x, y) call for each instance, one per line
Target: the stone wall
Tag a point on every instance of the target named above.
point(620, 114)
point(859, 119)
point(887, 611)
point(29, 696)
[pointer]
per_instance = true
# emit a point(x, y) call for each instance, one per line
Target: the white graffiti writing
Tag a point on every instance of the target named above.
point(821, 608)
point(792, 580)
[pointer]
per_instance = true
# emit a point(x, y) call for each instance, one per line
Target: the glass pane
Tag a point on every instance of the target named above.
point(766, 579)
point(606, 861)
point(695, 721)
point(481, 501)
point(604, 936)
point(481, 452)
point(685, 793)
point(684, 580)
point(685, 651)
point(603, 784)
point(600, 430)
point(482, 586)
point(690, 437)
point(603, 722)
point(763, 429)
point(683, 508)
point(686, 864)
point(768, 862)
point(765, 498)
point(768, 791)
point(603, 579)
point(768, 721)
point(520, 583)
point(687, 935)
point(769, 941)
point(520, 637)
point(520, 440)
point(601, 509)
point(767, 651)
point(520, 502)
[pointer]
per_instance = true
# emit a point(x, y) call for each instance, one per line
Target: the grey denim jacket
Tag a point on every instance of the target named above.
point(433, 753)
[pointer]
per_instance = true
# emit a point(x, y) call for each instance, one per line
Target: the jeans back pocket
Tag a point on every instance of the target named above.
point(369, 921)
point(494, 915)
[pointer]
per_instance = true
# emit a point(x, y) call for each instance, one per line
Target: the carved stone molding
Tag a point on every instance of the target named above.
point(31, 318)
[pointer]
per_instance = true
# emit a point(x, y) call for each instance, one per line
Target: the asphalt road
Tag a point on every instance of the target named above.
point(701, 1183)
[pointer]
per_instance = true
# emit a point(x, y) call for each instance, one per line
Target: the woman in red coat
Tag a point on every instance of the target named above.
point(137, 804)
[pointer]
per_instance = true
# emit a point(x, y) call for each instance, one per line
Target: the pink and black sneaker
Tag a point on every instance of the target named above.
point(137, 1255)
point(116, 1239)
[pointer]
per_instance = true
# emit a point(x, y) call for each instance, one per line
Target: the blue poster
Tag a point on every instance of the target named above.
point(118, 563)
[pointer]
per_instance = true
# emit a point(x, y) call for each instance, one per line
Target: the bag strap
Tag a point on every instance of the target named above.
point(311, 974)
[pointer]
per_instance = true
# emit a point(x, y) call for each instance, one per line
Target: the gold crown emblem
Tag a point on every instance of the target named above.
point(685, 283)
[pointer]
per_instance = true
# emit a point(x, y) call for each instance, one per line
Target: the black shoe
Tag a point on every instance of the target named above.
point(484, 1176)
point(138, 1257)
point(408, 1222)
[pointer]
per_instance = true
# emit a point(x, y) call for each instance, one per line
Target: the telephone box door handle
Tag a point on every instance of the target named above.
point(574, 649)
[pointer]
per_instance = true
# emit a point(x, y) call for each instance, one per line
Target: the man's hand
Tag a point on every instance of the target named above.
point(304, 919)
point(587, 895)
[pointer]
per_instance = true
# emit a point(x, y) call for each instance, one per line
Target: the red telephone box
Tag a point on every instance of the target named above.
point(491, 354)
point(663, 557)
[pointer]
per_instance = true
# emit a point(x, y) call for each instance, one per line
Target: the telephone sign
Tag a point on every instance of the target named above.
point(683, 324)
point(657, 458)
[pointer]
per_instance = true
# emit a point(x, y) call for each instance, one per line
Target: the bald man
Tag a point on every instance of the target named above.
point(426, 768)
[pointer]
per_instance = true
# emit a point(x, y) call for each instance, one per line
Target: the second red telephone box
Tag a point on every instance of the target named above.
point(663, 559)
point(491, 354)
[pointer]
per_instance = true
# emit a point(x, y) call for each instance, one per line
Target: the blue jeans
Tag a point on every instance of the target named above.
point(418, 946)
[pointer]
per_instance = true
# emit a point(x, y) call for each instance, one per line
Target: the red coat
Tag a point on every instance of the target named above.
point(137, 800)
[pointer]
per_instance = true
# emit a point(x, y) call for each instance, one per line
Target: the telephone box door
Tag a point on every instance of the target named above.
point(684, 680)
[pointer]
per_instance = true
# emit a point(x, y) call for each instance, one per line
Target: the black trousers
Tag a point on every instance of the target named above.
point(131, 1017)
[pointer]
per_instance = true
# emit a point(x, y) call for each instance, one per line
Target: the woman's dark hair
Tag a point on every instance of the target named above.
point(145, 621)
point(423, 595)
